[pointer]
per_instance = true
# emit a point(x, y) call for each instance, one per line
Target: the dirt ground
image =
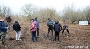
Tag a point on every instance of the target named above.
point(79, 38)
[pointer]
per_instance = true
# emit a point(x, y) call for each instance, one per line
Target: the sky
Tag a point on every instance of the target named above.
point(59, 5)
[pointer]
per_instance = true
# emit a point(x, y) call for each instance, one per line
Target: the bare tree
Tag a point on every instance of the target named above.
point(5, 11)
point(71, 15)
point(44, 14)
point(86, 12)
point(28, 10)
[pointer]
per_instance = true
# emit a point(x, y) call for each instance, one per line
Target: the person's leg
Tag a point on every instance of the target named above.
point(19, 33)
point(55, 36)
point(3, 38)
point(16, 35)
point(33, 36)
point(0, 35)
point(48, 32)
point(68, 31)
point(52, 31)
point(58, 35)
point(63, 31)
point(38, 32)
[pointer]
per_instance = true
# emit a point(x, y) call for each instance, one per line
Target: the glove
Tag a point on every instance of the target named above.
point(6, 27)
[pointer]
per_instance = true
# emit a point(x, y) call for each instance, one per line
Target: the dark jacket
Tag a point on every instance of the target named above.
point(65, 27)
point(3, 26)
point(16, 26)
point(50, 23)
point(57, 27)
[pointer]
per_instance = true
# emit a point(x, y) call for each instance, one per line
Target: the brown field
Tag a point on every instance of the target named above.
point(79, 38)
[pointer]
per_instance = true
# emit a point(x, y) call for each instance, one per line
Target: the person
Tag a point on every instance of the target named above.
point(57, 29)
point(17, 28)
point(3, 30)
point(65, 27)
point(50, 25)
point(33, 29)
point(88, 19)
point(37, 25)
point(0, 24)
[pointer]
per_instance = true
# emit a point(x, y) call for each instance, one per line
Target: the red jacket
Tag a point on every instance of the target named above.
point(33, 26)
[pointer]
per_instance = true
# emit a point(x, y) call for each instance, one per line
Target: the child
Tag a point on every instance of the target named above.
point(57, 29)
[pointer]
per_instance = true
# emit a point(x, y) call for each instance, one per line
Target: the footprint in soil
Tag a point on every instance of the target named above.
point(11, 38)
point(23, 38)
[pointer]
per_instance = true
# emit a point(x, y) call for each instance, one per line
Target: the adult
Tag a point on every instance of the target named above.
point(65, 27)
point(3, 30)
point(50, 25)
point(33, 30)
point(37, 26)
point(57, 29)
point(17, 28)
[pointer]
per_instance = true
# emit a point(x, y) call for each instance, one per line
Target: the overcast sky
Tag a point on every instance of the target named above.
point(16, 5)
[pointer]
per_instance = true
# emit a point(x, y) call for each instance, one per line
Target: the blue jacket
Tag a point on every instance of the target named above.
point(50, 23)
point(3, 26)
point(37, 23)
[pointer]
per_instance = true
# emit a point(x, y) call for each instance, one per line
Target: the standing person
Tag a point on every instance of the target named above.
point(65, 27)
point(57, 29)
point(17, 28)
point(3, 30)
point(33, 30)
point(0, 25)
point(50, 25)
point(37, 25)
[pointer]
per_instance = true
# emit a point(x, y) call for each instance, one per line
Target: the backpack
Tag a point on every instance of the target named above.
point(50, 23)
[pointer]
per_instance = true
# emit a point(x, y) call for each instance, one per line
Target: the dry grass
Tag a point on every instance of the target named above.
point(79, 36)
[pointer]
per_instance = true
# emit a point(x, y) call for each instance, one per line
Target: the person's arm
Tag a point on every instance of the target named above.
point(38, 23)
point(54, 27)
point(19, 26)
point(60, 26)
point(4, 27)
point(66, 27)
point(53, 23)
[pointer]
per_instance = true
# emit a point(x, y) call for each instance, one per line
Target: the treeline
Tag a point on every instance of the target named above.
point(71, 15)
point(28, 11)
point(5, 11)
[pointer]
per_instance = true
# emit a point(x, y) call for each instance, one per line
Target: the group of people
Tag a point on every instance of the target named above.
point(34, 29)
point(57, 27)
point(4, 26)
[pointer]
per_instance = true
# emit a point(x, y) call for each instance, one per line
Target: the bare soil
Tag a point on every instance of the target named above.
point(79, 38)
